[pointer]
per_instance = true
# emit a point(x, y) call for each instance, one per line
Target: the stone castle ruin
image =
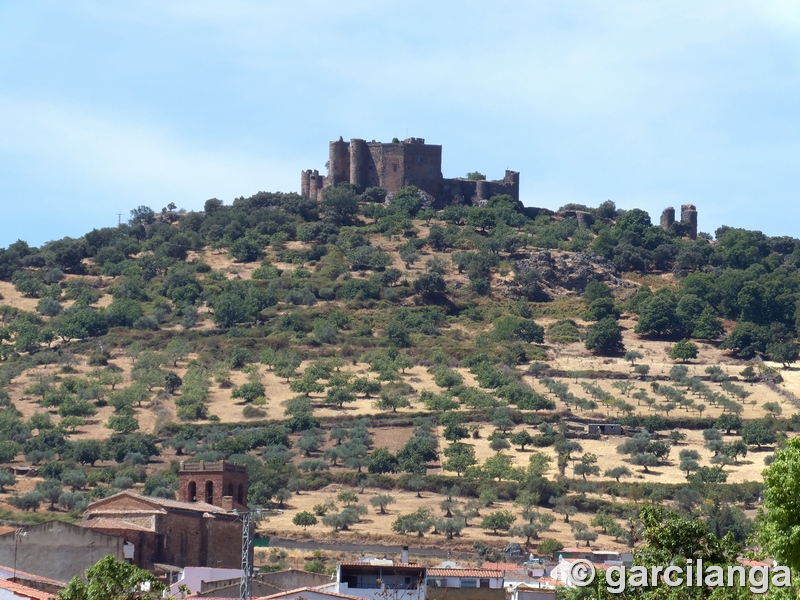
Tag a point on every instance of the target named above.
point(400, 164)
point(688, 218)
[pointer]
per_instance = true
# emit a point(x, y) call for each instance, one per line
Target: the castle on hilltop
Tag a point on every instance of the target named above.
point(398, 165)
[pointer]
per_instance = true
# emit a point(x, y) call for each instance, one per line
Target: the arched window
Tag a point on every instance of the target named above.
point(241, 494)
point(230, 490)
point(210, 492)
point(192, 491)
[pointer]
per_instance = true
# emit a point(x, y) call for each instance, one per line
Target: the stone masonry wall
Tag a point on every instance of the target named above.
point(398, 165)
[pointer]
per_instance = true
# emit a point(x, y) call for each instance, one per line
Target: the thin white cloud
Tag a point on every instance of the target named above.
point(114, 153)
point(673, 99)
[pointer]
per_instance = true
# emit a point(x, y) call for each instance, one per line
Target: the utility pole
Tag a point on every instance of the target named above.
point(248, 532)
point(119, 219)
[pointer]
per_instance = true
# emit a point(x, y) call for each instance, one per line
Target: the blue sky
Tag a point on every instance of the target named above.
point(106, 106)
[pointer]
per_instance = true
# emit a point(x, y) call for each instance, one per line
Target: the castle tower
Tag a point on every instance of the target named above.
point(512, 178)
point(339, 162)
point(396, 165)
point(219, 483)
point(359, 163)
point(689, 216)
point(315, 185)
point(667, 218)
point(483, 191)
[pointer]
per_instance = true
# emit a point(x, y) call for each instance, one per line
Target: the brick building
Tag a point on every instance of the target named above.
point(398, 165)
point(218, 483)
point(202, 528)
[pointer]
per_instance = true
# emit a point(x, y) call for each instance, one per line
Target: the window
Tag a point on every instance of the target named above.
point(395, 168)
point(192, 491)
point(241, 494)
point(230, 490)
point(484, 583)
point(210, 492)
point(419, 158)
point(469, 583)
point(429, 170)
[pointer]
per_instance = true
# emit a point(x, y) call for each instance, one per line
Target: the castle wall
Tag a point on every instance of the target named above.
point(459, 190)
point(479, 192)
point(390, 165)
point(423, 167)
point(398, 165)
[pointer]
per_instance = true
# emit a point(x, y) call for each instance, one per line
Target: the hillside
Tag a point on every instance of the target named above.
point(451, 360)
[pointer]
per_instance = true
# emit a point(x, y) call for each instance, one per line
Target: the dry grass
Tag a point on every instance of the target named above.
point(378, 528)
point(12, 297)
point(564, 357)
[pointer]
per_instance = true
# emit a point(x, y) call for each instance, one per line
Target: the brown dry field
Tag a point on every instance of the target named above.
point(377, 528)
point(567, 357)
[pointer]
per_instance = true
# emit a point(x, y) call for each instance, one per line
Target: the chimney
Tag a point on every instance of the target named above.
point(404, 555)
point(227, 502)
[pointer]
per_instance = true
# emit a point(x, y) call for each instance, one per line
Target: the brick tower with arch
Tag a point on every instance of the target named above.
point(218, 483)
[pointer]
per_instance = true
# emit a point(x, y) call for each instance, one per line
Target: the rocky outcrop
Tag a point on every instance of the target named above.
point(571, 272)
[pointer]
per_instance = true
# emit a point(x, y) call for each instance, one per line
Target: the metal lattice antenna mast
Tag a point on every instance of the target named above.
point(119, 219)
point(247, 553)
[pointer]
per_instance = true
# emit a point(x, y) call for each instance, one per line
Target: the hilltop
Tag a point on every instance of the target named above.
point(441, 366)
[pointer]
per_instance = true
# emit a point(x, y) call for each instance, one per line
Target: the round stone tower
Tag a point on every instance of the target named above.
point(689, 216)
point(359, 163)
point(667, 217)
point(339, 162)
point(483, 191)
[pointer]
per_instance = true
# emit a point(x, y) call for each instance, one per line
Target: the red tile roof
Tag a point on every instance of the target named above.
point(504, 566)
point(110, 523)
point(464, 573)
point(596, 565)
point(24, 575)
point(24, 590)
point(163, 502)
point(366, 564)
point(755, 563)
